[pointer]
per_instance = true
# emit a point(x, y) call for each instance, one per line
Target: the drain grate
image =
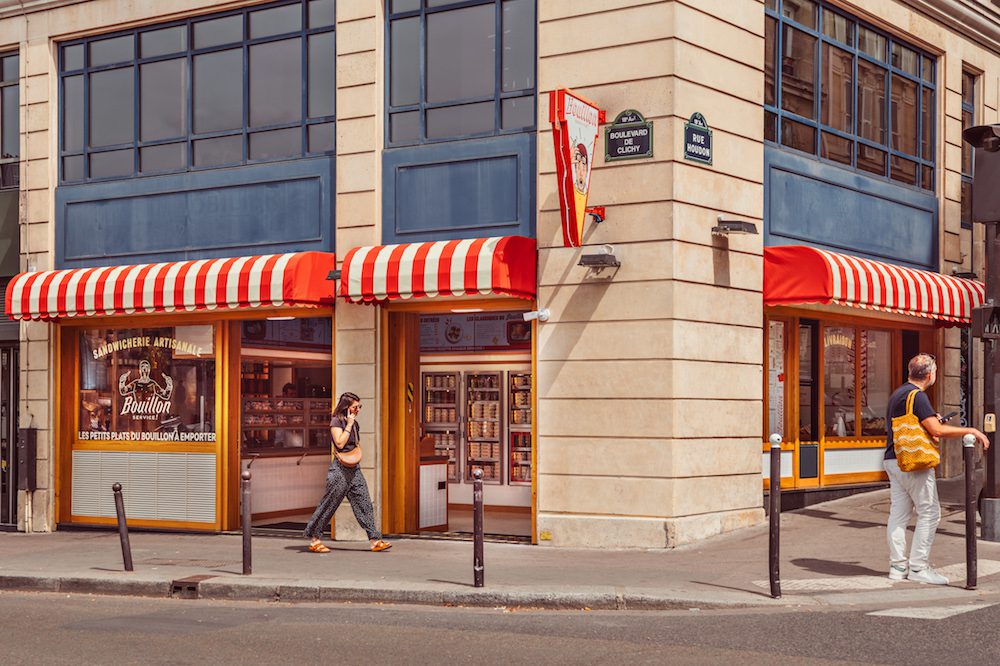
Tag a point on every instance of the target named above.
point(203, 564)
point(187, 588)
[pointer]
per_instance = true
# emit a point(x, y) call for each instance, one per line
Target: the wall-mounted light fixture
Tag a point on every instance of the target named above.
point(605, 258)
point(540, 315)
point(965, 275)
point(732, 227)
point(333, 275)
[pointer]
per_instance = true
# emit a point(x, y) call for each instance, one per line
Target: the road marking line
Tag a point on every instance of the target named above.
point(834, 584)
point(931, 613)
point(955, 573)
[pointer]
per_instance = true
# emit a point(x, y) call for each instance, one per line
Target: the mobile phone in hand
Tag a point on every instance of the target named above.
point(948, 417)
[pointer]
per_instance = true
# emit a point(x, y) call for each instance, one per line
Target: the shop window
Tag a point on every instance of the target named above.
point(10, 121)
point(876, 385)
point(857, 380)
point(147, 384)
point(844, 91)
point(453, 75)
point(286, 375)
point(250, 85)
point(839, 353)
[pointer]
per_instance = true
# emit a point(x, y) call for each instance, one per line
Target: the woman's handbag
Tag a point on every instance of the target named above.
point(350, 458)
point(915, 450)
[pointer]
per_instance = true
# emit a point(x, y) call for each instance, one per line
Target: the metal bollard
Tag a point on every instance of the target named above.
point(774, 496)
point(122, 526)
point(971, 564)
point(478, 568)
point(245, 519)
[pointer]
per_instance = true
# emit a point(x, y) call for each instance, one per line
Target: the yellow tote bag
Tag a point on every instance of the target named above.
point(915, 450)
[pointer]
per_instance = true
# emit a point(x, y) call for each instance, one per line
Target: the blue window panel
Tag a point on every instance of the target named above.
point(463, 189)
point(261, 209)
point(807, 202)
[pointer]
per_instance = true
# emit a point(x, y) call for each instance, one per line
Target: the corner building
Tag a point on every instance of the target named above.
point(186, 177)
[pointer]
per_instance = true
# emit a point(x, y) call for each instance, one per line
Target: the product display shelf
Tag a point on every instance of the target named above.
point(520, 417)
point(271, 423)
point(484, 429)
point(440, 415)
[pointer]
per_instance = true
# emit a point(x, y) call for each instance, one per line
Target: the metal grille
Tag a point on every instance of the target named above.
point(155, 486)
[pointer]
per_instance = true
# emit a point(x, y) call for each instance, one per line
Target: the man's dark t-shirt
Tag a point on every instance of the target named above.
point(897, 407)
point(352, 439)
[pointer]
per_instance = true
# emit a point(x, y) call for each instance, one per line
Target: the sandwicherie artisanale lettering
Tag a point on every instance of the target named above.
point(146, 341)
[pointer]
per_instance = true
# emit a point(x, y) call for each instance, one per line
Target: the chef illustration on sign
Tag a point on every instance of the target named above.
point(580, 171)
point(145, 385)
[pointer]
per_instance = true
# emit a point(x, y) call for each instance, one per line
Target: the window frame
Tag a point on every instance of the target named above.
point(968, 106)
point(422, 106)
point(189, 137)
point(5, 162)
point(777, 113)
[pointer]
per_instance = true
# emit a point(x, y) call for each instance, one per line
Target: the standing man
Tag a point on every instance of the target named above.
point(916, 492)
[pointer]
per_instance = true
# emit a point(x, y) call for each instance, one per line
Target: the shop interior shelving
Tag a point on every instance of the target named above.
point(520, 423)
point(484, 425)
point(441, 415)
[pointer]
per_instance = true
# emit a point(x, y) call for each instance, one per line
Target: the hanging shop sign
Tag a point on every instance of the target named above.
point(575, 125)
point(986, 322)
point(630, 137)
point(489, 331)
point(697, 139)
point(147, 385)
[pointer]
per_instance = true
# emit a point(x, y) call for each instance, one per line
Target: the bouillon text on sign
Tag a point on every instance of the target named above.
point(697, 139)
point(629, 138)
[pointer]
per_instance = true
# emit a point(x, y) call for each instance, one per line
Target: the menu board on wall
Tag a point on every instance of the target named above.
point(776, 377)
point(487, 331)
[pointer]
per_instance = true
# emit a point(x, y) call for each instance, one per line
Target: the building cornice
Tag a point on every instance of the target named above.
point(10, 8)
point(974, 20)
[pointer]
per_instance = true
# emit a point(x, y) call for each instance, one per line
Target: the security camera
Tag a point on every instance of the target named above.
point(540, 315)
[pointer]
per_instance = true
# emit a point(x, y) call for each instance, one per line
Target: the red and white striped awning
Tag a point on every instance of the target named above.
point(295, 279)
point(796, 274)
point(483, 266)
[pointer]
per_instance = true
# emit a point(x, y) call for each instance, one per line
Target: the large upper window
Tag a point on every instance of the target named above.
point(225, 89)
point(10, 121)
point(968, 120)
point(460, 69)
point(847, 92)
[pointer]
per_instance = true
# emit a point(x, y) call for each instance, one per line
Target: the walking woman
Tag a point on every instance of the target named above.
point(344, 479)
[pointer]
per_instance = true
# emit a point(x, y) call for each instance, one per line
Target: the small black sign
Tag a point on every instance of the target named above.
point(697, 139)
point(630, 137)
point(986, 322)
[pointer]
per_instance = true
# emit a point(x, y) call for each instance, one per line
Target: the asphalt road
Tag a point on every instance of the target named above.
point(41, 629)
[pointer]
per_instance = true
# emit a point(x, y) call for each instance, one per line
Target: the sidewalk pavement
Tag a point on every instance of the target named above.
point(831, 554)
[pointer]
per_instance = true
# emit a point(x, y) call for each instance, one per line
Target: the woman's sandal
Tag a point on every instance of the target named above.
point(380, 545)
point(318, 548)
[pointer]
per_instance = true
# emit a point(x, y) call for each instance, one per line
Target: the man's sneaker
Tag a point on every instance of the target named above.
point(927, 575)
point(897, 572)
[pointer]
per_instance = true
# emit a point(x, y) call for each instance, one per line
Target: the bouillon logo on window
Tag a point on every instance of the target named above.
point(145, 398)
point(151, 385)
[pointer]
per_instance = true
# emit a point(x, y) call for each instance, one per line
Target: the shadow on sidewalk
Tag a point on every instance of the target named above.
point(846, 522)
point(834, 568)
